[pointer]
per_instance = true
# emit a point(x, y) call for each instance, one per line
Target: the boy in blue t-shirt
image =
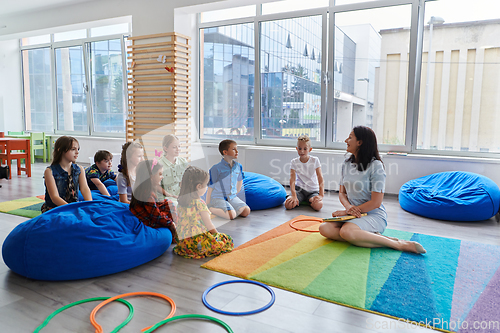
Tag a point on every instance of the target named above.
point(226, 181)
point(100, 171)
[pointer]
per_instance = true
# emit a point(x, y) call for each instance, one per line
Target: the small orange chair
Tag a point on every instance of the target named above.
point(11, 149)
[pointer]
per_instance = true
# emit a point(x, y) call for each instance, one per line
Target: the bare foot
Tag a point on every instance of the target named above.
point(409, 246)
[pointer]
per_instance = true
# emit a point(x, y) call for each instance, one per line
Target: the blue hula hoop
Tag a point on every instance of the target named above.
point(265, 307)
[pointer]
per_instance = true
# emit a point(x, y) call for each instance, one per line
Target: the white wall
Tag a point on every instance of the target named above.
point(275, 162)
point(148, 16)
point(10, 87)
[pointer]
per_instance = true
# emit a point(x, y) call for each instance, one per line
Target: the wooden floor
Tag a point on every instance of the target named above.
point(25, 303)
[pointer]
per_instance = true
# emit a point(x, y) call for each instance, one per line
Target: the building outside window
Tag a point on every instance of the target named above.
point(87, 88)
point(460, 104)
point(227, 82)
point(372, 62)
point(290, 69)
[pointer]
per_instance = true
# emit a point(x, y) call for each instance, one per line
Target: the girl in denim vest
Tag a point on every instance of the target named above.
point(63, 178)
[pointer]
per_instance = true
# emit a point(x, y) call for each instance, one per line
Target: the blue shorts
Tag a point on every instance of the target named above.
point(234, 204)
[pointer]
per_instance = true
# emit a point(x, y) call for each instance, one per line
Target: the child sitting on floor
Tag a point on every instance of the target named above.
point(173, 167)
point(197, 236)
point(144, 203)
point(132, 155)
point(100, 171)
point(63, 178)
point(306, 179)
point(226, 181)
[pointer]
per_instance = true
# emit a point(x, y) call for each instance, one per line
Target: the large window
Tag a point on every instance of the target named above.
point(106, 71)
point(75, 86)
point(459, 106)
point(370, 73)
point(290, 78)
point(71, 86)
point(227, 82)
point(426, 78)
point(37, 89)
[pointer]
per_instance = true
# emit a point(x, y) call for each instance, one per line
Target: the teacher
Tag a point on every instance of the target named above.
point(362, 186)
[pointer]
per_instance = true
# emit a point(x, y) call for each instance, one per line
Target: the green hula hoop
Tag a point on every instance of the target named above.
point(196, 316)
point(119, 327)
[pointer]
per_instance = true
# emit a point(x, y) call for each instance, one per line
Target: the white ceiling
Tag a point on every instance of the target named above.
point(13, 7)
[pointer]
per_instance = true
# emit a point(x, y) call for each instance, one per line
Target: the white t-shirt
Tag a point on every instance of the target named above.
point(306, 177)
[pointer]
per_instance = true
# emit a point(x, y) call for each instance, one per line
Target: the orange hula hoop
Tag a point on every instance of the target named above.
point(98, 328)
point(318, 219)
point(310, 219)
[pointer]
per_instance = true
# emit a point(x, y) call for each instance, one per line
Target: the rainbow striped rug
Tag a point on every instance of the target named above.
point(454, 287)
point(27, 207)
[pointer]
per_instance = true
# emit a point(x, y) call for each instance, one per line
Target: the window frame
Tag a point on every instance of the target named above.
point(85, 44)
point(23, 90)
point(412, 69)
point(245, 20)
point(280, 16)
point(414, 85)
point(327, 89)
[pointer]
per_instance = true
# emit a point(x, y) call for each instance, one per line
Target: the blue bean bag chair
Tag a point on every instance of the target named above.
point(96, 194)
point(82, 240)
point(262, 192)
point(109, 182)
point(451, 196)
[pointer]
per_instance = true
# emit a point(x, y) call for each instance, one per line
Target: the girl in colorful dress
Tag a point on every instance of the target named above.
point(63, 178)
point(145, 204)
point(173, 167)
point(132, 155)
point(197, 236)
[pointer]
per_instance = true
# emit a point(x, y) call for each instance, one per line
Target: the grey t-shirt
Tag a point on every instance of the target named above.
point(359, 186)
point(121, 182)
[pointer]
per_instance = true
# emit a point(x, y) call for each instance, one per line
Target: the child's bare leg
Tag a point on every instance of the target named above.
point(331, 230)
point(229, 215)
point(244, 211)
point(316, 204)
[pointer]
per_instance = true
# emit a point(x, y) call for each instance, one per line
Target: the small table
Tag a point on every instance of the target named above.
point(7, 145)
point(28, 136)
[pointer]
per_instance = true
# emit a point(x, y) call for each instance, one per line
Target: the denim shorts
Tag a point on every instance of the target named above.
point(234, 204)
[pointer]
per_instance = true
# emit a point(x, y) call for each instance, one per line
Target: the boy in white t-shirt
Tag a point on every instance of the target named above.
point(306, 179)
